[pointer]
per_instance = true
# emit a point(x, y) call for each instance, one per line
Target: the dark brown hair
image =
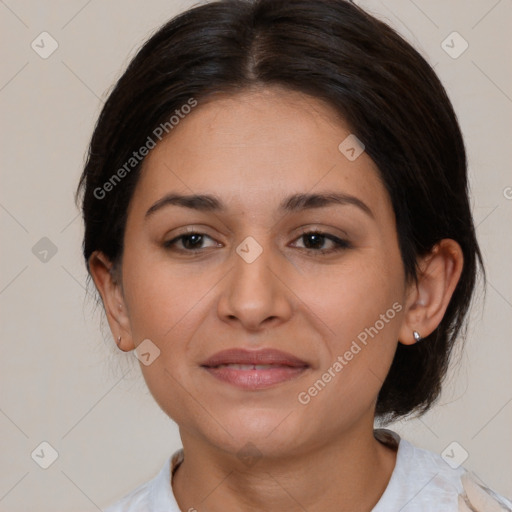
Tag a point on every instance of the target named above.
point(334, 51)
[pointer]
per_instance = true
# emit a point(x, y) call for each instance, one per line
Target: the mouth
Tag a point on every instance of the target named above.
point(253, 370)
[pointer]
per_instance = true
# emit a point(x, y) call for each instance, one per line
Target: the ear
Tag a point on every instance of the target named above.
point(427, 300)
point(109, 286)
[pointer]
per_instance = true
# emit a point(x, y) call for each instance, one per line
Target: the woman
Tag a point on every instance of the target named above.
point(277, 221)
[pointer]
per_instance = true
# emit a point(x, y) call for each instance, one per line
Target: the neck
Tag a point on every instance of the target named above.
point(348, 474)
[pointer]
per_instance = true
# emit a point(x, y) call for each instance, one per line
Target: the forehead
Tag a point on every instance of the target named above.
point(256, 147)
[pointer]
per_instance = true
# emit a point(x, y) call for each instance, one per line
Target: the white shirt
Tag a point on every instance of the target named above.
point(421, 482)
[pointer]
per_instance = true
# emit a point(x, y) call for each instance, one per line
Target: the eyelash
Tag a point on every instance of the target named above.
point(340, 244)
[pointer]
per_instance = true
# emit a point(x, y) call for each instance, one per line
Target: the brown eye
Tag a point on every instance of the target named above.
point(190, 242)
point(316, 239)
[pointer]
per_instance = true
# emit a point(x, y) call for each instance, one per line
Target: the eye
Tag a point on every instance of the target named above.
point(191, 242)
point(318, 238)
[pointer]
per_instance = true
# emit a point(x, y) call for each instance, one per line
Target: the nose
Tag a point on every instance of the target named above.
point(255, 294)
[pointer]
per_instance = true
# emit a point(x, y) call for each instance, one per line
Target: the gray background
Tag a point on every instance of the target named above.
point(62, 379)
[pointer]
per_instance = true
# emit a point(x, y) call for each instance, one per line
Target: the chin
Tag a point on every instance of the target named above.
point(267, 432)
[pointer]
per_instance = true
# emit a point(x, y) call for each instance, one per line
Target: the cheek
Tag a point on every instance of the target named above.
point(351, 298)
point(165, 307)
point(360, 353)
point(361, 304)
point(168, 305)
point(160, 296)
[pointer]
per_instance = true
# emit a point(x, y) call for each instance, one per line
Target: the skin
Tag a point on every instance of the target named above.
point(252, 150)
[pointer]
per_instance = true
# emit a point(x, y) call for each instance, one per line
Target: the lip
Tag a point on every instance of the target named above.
point(255, 357)
point(270, 367)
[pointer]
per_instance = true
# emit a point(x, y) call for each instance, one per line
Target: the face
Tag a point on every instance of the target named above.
point(305, 296)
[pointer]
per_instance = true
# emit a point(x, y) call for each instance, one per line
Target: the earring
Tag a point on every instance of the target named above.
point(118, 340)
point(417, 336)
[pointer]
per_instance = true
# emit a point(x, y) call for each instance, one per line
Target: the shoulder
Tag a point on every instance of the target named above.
point(477, 497)
point(155, 494)
point(423, 480)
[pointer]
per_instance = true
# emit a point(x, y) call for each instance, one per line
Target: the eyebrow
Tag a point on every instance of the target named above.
point(293, 203)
